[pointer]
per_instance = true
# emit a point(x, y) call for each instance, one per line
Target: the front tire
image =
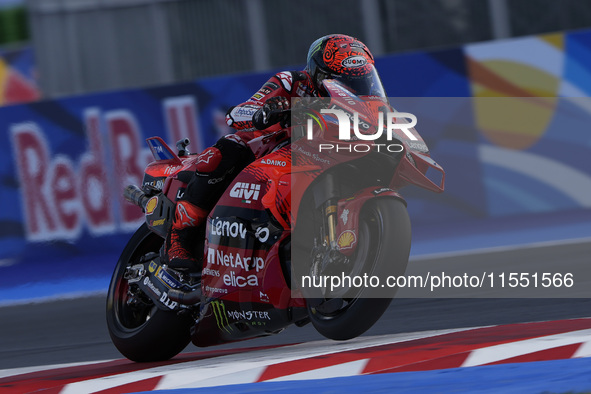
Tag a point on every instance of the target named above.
point(142, 332)
point(384, 247)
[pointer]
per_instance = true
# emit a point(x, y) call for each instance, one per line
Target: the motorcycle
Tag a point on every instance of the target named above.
point(293, 216)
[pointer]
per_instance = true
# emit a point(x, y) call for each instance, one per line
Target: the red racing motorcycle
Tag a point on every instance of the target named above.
point(313, 207)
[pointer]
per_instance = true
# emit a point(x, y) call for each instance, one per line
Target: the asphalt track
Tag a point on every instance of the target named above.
point(74, 330)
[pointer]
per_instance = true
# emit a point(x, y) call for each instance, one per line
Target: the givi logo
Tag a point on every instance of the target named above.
point(248, 192)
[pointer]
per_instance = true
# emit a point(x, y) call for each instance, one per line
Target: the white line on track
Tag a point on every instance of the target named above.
point(351, 368)
point(505, 351)
point(583, 351)
point(239, 368)
point(24, 370)
point(498, 249)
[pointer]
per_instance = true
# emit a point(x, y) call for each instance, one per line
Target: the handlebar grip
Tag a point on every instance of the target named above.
point(136, 196)
point(284, 116)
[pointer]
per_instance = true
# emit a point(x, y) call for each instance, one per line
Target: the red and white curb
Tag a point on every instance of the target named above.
point(432, 350)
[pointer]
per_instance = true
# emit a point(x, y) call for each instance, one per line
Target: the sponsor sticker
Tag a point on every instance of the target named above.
point(235, 260)
point(346, 239)
point(210, 272)
point(219, 311)
point(158, 184)
point(354, 62)
point(247, 192)
point(151, 205)
point(214, 290)
point(167, 301)
point(245, 111)
point(276, 163)
point(148, 283)
point(158, 222)
point(382, 190)
point(271, 86)
point(249, 315)
point(168, 280)
point(263, 297)
point(345, 216)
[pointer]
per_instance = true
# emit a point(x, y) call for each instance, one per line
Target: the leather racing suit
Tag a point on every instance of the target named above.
point(218, 165)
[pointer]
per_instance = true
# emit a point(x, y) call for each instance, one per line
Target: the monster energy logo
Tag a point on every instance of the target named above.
point(221, 317)
point(315, 47)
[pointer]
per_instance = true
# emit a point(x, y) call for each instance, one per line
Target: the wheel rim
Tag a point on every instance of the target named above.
point(131, 316)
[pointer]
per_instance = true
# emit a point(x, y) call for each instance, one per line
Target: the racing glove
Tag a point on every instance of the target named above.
point(273, 111)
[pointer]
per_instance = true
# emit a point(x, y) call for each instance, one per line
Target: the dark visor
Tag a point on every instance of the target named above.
point(369, 84)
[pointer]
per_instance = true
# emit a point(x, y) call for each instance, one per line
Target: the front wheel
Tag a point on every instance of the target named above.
point(383, 248)
point(138, 329)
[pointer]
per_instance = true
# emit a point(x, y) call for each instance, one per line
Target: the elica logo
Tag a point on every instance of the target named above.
point(345, 128)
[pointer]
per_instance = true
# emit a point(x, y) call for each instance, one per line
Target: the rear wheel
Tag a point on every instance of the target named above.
point(139, 330)
point(383, 248)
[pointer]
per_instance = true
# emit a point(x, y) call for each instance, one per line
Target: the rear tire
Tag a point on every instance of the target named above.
point(142, 333)
point(384, 247)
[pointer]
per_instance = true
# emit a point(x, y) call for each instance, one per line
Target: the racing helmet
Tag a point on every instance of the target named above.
point(347, 60)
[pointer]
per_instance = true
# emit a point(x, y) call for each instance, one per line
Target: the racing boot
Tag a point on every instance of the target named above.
point(179, 248)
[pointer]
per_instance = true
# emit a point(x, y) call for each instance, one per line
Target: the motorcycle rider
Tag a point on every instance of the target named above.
point(335, 56)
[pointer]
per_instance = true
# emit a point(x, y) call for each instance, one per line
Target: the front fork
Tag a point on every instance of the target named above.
point(330, 222)
point(326, 196)
point(325, 246)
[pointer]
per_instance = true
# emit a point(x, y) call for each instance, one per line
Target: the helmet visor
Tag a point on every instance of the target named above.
point(368, 84)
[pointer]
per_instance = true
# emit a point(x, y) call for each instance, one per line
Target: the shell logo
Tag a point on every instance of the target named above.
point(151, 205)
point(515, 93)
point(346, 239)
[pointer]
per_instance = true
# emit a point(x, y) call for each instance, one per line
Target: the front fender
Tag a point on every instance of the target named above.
point(348, 211)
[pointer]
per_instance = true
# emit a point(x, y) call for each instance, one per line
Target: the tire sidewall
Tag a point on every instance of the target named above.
point(164, 335)
point(363, 313)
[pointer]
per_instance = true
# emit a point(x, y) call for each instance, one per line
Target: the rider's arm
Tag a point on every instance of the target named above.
point(279, 85)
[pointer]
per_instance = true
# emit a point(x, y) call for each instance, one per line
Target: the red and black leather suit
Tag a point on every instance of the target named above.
point(218, 165)
point(335, 56)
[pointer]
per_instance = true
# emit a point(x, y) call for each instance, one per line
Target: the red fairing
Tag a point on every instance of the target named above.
point(348, 215)
point(246, 283)
point(162, 169)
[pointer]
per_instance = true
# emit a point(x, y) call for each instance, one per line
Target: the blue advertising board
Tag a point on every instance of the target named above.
point(64, 162)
